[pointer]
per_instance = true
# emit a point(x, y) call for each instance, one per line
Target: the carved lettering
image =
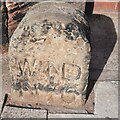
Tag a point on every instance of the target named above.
point(46, 71)
point(71, 72)
point(26, 86)
point(23, 68)
point(53, 72)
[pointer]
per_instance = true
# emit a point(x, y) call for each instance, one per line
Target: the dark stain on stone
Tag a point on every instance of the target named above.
point(70, 27)
point(49, 88)
point(57, 25)
point(25, 86)
point(19, 17)
point(33, 40)
point(83, 25)
point(16, 85)
point(34, 87)
point(69, 89)
point(72, 31)
point(46, 26)
point(40, 86)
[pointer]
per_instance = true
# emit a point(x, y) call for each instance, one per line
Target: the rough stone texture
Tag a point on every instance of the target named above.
point(49, 57)
point(14, 112)
point(17, 10)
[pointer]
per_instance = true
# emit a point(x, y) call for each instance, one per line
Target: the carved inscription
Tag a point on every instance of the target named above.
point(71, 72)
point(25, 86)
point(50, 71)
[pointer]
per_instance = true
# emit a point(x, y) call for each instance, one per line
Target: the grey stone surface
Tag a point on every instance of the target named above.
point(106, 99)
point(14, 112)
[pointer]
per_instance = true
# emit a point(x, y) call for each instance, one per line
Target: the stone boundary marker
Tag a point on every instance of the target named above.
point(49, 58)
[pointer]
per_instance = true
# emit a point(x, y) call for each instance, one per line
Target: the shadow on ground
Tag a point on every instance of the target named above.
point(103, 39)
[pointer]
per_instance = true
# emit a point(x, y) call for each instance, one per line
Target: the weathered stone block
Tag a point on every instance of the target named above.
point(49, 58)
